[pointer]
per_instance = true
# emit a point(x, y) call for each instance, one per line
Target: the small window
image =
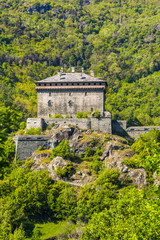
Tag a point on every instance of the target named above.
point(49, 103)
point(91, 109)
point(49, 93)
point(85, 93)
point(70, 94)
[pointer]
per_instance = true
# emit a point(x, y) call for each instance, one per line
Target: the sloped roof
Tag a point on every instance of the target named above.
point(71, 77)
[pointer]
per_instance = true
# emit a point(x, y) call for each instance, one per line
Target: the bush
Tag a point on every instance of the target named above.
point(96, 113)
point(22, 125)
point(58, 116)
point(62, 150)
point(132, 162)
point(65, 172)
point(33, 131)
point(82, 115)
point(67, 116)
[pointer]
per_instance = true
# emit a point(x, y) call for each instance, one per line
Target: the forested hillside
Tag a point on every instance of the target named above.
point(118, 39)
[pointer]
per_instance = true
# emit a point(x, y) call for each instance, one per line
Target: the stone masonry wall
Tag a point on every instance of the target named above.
point(27, 144)
point(69, 101)
point(35, 123)
point(102, 124)
point(135, 132)
point(83, 123)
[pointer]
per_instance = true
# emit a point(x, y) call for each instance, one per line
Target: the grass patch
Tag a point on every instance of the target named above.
point(52, 229)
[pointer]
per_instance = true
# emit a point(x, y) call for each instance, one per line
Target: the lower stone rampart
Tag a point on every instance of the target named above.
point(102, 124)
point(135, 132)
point(27, 144)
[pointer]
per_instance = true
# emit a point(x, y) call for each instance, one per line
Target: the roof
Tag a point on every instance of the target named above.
point(71, 77)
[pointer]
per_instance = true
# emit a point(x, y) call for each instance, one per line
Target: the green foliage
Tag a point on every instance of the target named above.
point(82, 115)
point(96, 113)
point(65, 172)
point(147, 149)
point(99, 196)
point(36, 233)
point(62, 150)
point(132, 162)
point(67, 116)
point(132, 216)
point(62, 201)
point(33, 131)
point(58, 116)
point(22, 125)
point(19, 234)
point(97, 166)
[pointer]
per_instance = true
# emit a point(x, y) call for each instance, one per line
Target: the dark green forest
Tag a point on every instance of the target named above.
point(120, 41)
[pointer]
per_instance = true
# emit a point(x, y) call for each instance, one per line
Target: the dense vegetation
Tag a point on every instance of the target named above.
point(109, 208)
point(118, 39)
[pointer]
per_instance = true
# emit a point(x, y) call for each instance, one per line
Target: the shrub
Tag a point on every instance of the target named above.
point(96, 113)
point(22, 125)
point(132, 162)
point(33, 131)
point(65, 172)
point(82, 115)
point(62, 150)
point(58, 116)
point(67, 116)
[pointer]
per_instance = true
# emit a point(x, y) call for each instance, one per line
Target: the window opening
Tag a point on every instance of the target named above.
point(49, 103)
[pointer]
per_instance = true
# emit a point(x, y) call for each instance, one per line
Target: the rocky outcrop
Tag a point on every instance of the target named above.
point(115, 150)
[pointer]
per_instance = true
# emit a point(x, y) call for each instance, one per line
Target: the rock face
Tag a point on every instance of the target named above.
point(115, 150)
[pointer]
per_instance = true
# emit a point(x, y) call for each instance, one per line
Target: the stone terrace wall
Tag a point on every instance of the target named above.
point(136, 131)
point(27, 144)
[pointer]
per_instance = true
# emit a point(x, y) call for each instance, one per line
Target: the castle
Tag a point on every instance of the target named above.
point(70, 93)
point(67, 94)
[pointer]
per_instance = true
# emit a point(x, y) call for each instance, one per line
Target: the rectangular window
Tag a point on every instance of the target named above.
point(49, 93)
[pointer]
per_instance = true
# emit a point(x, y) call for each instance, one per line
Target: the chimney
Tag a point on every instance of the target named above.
point(82, 70)
point(72, 68)
point(92, 73)
point(59, 75)
point(61, 69)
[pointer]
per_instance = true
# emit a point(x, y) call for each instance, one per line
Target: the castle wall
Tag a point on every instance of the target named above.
point(35, 123)
point(83, 123)
point(51, 102)
point(101, 124)
point(27, 144)
point(118, 126)
point(135, 132)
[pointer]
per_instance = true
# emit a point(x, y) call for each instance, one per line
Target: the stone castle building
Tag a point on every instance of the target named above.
point(68, 94)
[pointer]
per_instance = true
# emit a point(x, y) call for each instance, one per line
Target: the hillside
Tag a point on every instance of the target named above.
point(119, 40)
point(92, 185)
